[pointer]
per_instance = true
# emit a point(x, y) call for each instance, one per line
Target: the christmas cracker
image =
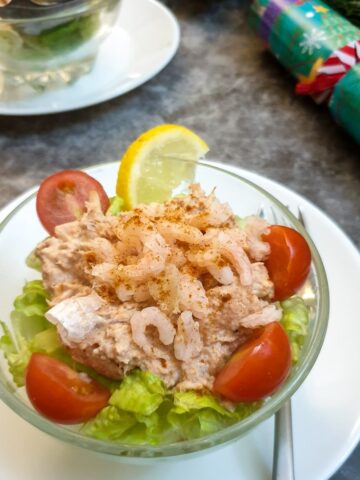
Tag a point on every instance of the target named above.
point(320, 48)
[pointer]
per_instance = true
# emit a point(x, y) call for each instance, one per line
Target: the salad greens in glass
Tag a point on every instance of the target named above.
point(46, 46)
point(33, 44)
point(140, 410)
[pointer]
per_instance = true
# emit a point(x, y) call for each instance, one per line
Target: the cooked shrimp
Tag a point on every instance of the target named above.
point(127, 292)
point(268, 314)
point(223, 275)
point(203, 257)
point(103, 248)
point(177, 256)
point(124, 292)
point(192, 296)
point(152, 260)
point(180, 287)
point(214, 214)
point(150, 210)
point(211, 260)
point(141, 293)
point(262, 285)
point(254, 229)
point(129, 245)
point(152, 316)
point(234, 253)
point(105, 272)
point(187, 343)
point(164, 289)
point(179, 231)
point(219, 213)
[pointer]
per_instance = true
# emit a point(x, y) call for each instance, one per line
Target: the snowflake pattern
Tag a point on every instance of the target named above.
point(312, 41)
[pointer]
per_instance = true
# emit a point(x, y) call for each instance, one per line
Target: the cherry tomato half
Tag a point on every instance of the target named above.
point(60, 393)
point(61, 197)
point(258, 368)
point(289, 261)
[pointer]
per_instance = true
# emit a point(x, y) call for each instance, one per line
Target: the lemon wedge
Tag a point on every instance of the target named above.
point(157, 163)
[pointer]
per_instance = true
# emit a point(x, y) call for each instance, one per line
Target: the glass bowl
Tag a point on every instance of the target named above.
point(44, 47)
point(23, 230)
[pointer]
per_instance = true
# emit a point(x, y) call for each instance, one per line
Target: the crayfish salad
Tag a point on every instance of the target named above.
point(157, 324)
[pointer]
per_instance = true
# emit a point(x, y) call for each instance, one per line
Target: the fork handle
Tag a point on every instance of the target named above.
point(283, 464)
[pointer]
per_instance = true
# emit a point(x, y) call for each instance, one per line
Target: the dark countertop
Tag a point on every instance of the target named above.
point(224, 86)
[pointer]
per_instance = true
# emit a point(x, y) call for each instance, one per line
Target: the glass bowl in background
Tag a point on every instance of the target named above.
point(43, 47)
point(20, 232)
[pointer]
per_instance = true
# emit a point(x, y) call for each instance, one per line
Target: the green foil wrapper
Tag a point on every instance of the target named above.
point(303, 35)
point(345, 102)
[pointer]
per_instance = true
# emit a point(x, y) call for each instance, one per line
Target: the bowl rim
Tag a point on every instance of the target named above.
point(226, 434)
point(33, 13)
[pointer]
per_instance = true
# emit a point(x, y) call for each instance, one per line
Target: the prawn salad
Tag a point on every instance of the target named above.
point(158, 324)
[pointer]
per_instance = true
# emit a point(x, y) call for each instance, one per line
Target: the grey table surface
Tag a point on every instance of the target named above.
point(226, 87)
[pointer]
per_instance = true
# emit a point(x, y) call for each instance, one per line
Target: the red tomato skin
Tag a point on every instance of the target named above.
point(289, 261)
point(58, 393)
point(258, 368)
point(51, 201)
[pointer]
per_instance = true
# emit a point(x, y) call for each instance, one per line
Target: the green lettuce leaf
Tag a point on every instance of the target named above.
point(33, 333)
point(29, 309)
point(154, 415)
point(110, 424)
point(189, 401)
point(116, 206)
point(117, 425)
point(195, 414)
point(63, 37)
point(295, 320)
point(243, 410)
point(141, 409)
point(17, 356)
point(140, 392)
point(156, 427)
point(199, 423)
point(33, 261)
point(28, 321)
point(240, 222)
point(27, 318)
point(46, 341)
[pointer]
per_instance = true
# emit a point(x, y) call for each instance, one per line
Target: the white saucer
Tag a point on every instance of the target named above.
point(145, 39)
point(326, 408)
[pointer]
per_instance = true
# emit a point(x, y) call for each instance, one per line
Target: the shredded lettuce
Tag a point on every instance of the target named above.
point(295, 320)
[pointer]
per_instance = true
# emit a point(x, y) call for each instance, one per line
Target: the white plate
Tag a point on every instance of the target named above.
point(326, 407)
point(144, 40)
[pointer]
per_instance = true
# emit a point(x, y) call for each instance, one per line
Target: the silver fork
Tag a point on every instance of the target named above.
point(283, 459)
